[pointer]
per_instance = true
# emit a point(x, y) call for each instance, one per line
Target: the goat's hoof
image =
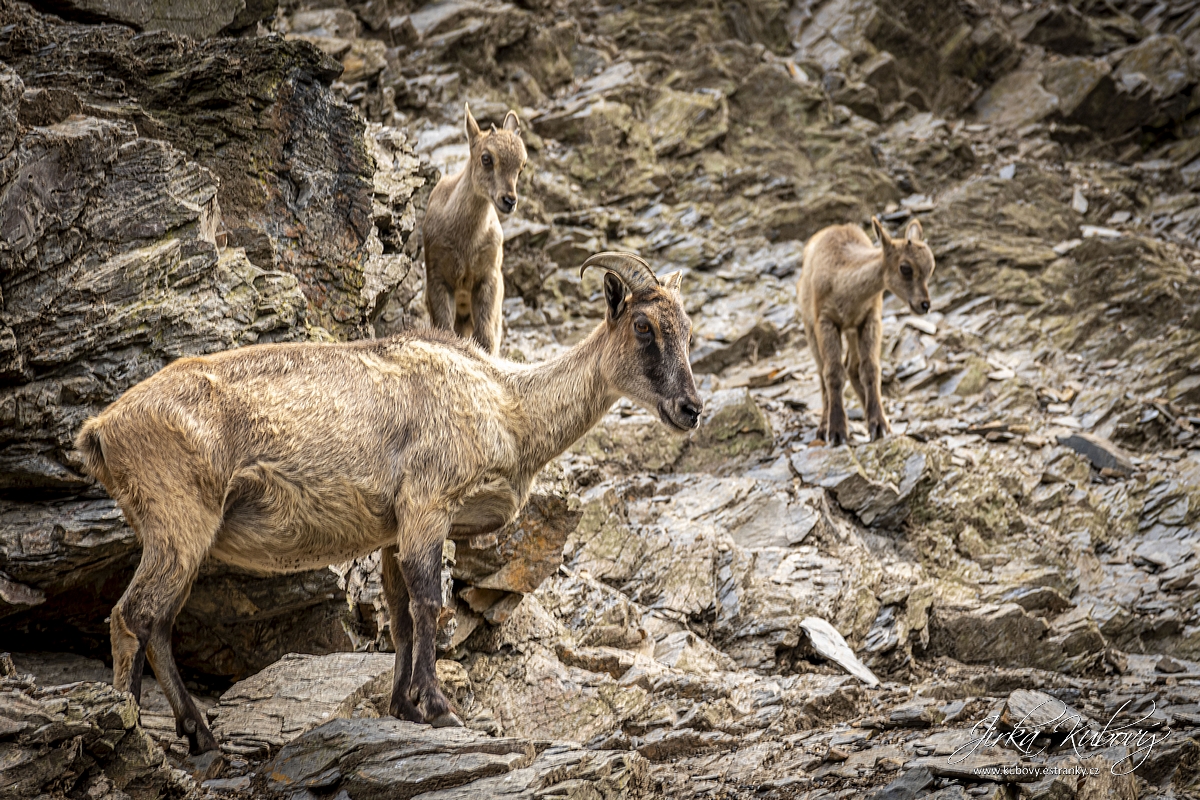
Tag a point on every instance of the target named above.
point(406, 711)
point(837, 439)
point(446, 719)
point(201, 743)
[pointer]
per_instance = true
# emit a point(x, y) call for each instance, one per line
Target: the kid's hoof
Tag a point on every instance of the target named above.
point(447, 720)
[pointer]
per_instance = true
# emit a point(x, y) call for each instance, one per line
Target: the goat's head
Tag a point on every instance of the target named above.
point(646, 357)
point(497, 158)
point(907, 265)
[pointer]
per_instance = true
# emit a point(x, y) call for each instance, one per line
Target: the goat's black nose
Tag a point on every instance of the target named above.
point(924, 306)
point(509, 201)
point(690, 411)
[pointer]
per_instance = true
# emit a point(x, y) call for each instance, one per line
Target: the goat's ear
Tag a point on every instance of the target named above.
point(673, 281)
point(472, 127)
point(614, 296)
point(885, 241)
point(511, 123)
point(913, 232)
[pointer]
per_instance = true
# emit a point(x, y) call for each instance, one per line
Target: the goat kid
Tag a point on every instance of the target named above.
point(287, 457)
point(464, 244)
point(840, 291)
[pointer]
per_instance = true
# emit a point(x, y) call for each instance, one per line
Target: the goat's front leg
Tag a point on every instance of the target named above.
point(487, 312)
point(422, 570)
point(870, 342)
point(439, 299)
point(829, 339)
point(395, 594)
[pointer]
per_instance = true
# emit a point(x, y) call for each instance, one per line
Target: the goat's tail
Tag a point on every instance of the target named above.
point(91, 446)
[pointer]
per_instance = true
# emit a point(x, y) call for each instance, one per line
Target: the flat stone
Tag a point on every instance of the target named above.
point(832, 645)
point(1032, 710)
point(1102, 453)
point(386, 758)
point(391, 758)
point(873, 481)
point(518, 557)
point(998, 767)
point(295, 695)
point(560, 771)
point(906, 787)
point(1003, 635)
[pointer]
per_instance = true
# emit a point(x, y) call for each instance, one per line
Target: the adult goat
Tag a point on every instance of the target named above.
point(286, 457)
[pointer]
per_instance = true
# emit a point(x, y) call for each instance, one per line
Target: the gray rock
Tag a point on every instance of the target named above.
point(906, 787)
point(261, 714)
point(520, 556)
point(83, 737)
point(732, 427)
point(561, 770)
point(832, 645)
point(307, 211)
point(389, 758)
point(1002, 635)
point(193, 18)
point(760, 341)
point(1102, 453)
point(1032, 710)
point(873, 481)
point(534, 694)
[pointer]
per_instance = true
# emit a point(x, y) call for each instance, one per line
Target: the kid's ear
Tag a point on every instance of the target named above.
point(614, 296)
point(511, 123)
point(472, 126)
point(913, 232)
point(884, 240)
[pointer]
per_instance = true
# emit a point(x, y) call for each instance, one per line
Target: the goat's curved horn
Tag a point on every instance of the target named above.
point(630, 268)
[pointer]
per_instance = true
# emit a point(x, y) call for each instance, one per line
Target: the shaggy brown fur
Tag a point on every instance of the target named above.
point(285, 457)
point(841, 291)
point(464, 244)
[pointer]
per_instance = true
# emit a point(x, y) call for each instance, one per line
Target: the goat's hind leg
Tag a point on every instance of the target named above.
point(853, 367)
point(395, 593)
point(172, 549)
point(814, 348)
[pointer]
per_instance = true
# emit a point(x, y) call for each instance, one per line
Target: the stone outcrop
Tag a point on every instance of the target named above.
point(79, 738)
point(131, 234)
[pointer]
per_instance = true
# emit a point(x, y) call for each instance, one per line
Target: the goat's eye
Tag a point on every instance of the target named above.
point(906, 271)
point(487, 159)
point(642, 328)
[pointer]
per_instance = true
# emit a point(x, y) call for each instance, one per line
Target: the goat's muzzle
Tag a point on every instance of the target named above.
point(682, 413)
point(507, 203)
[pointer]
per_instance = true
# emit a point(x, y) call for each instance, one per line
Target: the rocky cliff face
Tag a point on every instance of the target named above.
point(1026, 540)
point(133, 166)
